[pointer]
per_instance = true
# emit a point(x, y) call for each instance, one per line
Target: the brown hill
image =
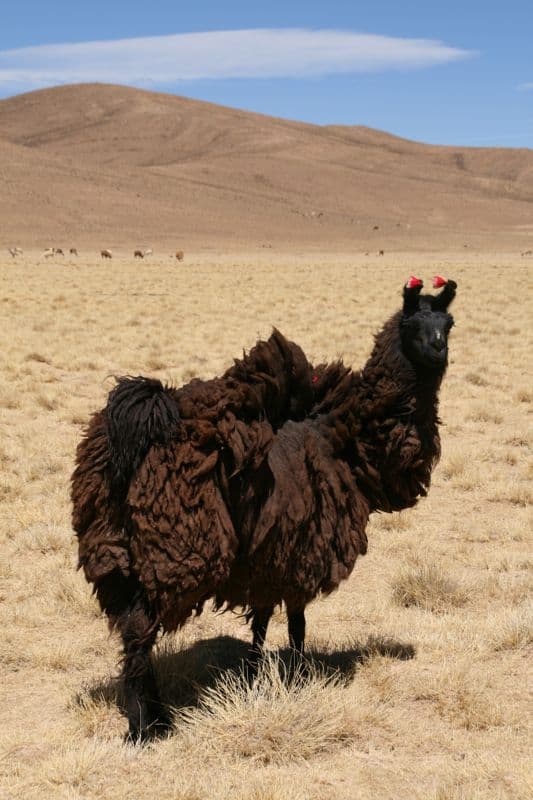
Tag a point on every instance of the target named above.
point(115, 166)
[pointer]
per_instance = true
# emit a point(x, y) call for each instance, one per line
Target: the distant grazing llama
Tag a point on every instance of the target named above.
point(73, 251)
point(180, 255)
point(255, 488)
point(15, 251)
point(138, 254)
point(53, 251)
point(106, 254)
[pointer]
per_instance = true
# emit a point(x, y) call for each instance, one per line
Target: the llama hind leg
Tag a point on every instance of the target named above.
point(129, 611)
point(141, 697)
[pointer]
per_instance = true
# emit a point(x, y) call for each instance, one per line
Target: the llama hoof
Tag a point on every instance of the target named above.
point(135, 737)
point(158, 730)
point(299, 667)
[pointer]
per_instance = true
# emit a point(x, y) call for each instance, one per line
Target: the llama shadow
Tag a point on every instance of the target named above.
point(183, 676)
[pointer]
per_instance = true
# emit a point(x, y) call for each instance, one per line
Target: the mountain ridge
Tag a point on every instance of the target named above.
point(97, 160)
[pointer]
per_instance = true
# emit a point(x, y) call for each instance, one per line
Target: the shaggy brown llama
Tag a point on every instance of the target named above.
point(250, 489)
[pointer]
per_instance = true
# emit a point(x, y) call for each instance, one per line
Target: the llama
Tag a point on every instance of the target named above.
point(138, 254)
point(234, 490)
point(106, 254)
point(180, 255)
point(15, 251)
point(50, 251)
point(73, 251)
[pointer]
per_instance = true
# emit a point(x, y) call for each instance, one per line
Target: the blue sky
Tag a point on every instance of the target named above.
point(454, 72)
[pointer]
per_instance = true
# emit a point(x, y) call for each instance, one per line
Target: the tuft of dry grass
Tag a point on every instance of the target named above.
point(73, 593)
point(484, 413)
point(97, 713)
point(429, 587)
point(397, 521)
point(513, 630)
point(475, 379)
point(465, 698)
point(276, 719)
point(38, 357)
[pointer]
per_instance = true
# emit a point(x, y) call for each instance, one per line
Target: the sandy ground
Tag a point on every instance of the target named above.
point(451, 578)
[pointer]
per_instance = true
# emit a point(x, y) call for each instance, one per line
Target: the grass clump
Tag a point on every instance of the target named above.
point(427, 586)
point(276, 720)
point(514, 630)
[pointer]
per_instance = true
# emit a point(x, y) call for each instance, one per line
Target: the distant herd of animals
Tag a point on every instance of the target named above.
point(139, 253)
point(105, 253)
point(253, 489)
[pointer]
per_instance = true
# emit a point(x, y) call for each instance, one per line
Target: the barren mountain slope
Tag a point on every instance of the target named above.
point(97, 161)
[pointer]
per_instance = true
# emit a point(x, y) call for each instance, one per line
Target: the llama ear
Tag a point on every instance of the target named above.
point(411, 290)
point(282, 344)
point(442, 300)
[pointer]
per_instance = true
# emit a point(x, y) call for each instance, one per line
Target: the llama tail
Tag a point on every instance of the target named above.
point(140, 412)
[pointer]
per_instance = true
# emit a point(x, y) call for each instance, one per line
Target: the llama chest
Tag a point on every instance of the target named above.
point(311, 528)
point(403, 456)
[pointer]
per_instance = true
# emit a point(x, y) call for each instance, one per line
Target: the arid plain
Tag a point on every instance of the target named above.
point(451, 578)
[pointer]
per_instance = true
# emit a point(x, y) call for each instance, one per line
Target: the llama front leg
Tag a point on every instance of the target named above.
point(296, 629)
point(260, 619)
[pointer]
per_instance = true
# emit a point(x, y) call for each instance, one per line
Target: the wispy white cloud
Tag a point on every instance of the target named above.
point(524, 87)
point(253, 53)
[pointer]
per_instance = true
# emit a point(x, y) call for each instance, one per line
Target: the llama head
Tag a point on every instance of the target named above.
point(425, 323)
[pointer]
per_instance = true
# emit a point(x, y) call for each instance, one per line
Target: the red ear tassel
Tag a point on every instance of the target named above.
point(413, 282)
point(439, 281)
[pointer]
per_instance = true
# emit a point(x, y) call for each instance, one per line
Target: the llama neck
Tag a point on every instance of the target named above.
point(386, 423)
point(389, 375)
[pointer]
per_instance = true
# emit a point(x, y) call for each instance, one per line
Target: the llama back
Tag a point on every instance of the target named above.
point(279, 374)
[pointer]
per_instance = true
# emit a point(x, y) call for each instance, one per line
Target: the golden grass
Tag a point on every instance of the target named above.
point(365, 717)
point(429, 587)
point(279, 717)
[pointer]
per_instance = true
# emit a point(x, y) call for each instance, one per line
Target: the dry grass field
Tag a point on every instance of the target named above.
point(450, 578)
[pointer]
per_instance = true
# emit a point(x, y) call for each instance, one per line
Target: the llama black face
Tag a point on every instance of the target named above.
point(425, 323)
point(425, 338)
